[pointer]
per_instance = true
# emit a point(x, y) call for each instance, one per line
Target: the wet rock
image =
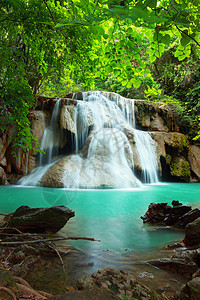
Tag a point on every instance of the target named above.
point(156, 213)
point(191, 291)
point(120, 283)
point(175, 213)
point(40, 220)
point(176, 265)
point(162, 213)
point(192, 233)
point(188, 218)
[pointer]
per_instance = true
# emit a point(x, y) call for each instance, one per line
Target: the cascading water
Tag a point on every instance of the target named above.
point(51, 137)
point(104, 124)
point(49, 145)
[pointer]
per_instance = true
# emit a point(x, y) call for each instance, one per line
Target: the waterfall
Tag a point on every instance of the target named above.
point(107, 147)
point(146, 152)
point(51, 137)
point(49, 145)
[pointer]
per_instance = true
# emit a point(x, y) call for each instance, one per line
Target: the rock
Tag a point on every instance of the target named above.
point(173, 148)
point(40, 220)
point(191, 291)
point(192, 233)
point(180, 168)
point(157, 124)
point(120, 283)
point(194, 159)
point(188, 218)
point(156, 213)
point(38, 120)
point(3, 178)
point(161, 213)
point(95, 294)
point(176, 265)
point(176, 203)
point(67, 118)
point(175, 213)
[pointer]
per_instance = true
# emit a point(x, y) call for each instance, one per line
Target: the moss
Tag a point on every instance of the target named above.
point(180, 168)
point(184, 141)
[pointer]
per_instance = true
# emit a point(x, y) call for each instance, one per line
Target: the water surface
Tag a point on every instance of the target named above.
point(109, 215)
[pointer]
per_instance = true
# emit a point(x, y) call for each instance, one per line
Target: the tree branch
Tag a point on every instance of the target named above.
point(48, 240)
point(52, 16)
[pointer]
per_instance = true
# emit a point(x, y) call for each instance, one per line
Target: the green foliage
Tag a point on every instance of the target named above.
point(46, 44)
point(16, 99)
point(180, 80)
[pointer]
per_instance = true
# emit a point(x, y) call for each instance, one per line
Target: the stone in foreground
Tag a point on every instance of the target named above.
point(40, 220)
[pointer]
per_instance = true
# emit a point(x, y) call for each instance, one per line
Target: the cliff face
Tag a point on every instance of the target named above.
point(177, 159)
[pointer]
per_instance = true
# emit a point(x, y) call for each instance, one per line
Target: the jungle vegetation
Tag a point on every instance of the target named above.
point(144, 48)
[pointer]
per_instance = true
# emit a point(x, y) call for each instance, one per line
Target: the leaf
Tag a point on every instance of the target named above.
point(185, 40)
point(129, 85)
point(166, 39)
point(117, 72)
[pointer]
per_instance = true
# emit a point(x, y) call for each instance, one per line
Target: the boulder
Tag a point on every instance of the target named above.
point(164, 214)
point(40, 220)
point(156, 213)
point(176, 265)
point(191, 290)
point(192, 233)
point(188, 218)
point(194, 159)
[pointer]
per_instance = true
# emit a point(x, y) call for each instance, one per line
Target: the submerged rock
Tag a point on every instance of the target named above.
point(120, 283)
point(40, 220)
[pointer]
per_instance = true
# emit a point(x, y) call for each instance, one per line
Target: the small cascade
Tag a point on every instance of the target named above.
point(51, 137)
point(49, 145)
point(105, 146)
point(146, 152)
point(33, 179)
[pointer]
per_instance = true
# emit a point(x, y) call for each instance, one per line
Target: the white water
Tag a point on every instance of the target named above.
point(114, 112)
point(146, 152)
point(103, 155)
point(50, 144)
point(51, 137)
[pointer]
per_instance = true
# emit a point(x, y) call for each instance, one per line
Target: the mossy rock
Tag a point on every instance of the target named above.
point(180, 168)
point(191, 291)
